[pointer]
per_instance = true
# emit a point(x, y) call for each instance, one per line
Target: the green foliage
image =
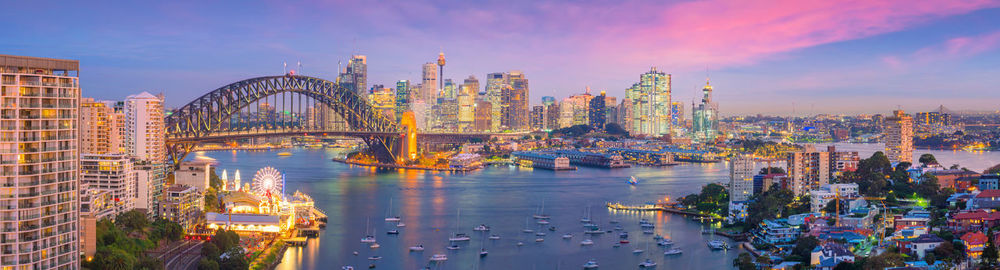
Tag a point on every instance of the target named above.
point(989, 257)
point(804, 246)
point(884, 260)
point(713, 198)
point(225, 240)
point(573, 131)
point(769, 205)
point(131, 221)
point(767, 170)
point(149, 263)
point(946, 251)
point(206, 264)
point(615, 129)
point(234, 259)
point(831, 207)
point(164, 229)
point(844, 266)
point(214, 181)
point(210, 250)
point(744, 262)
point(115, 259)
point(767, 149)
point(927, 159)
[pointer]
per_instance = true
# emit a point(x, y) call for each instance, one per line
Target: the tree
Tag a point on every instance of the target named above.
point(770, 170)
point(214, 181)
point(884, 260)
point(149, 263)
point(131, 220)
point(615, 129)
point(206, 264)
point(844, 266)
point(744, 262)
point(804, 246)
point(831, 207)
point(211, 251)
point(234, 259)
point(225, 240)
point(927, 159)
point(989, 257)
point(117, 259)
point(930, 258)
point(945, 251)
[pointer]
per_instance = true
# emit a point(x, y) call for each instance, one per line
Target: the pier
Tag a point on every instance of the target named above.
point(656, 207)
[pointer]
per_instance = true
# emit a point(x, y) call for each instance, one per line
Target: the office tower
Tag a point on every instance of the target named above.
point(650, 104)
point(146, 143)
point(403, 97)
point(40, 193)
point(899, 137)
point(495, 85)
point(517, 98)
point(449, 90)
point(354, 77)
point(552, 116)
point(467, 96)
point(383, 99)
point(677, 117)
point(419, 108)
point(625, 117)
point(597, 113)
point(429, 83)
point(484, 116)
point(807, 170)
point(937, 118)
point(741, 172)
point(100, 128)
point(447, 114)
point(183, 205)
point(537, 117)
point(705, 117)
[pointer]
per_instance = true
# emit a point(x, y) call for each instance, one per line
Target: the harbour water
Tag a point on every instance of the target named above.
point(503, 198)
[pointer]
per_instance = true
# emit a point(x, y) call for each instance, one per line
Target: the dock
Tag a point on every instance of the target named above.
point(297, 241)
point(656, 207)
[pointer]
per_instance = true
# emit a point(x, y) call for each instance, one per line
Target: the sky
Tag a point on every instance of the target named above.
point(762, 57)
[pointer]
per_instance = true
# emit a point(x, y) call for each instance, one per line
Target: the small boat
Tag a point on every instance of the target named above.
point(637, 251)
point(526, 228)
point(591, 226)
point(481, 228)
point(417, 248)
point(585, 220)
point(552, 229)
point(718, 245)
point(623, 241)
point(375, 258)
point(392, 232)
point(528, 231)
point(453, 247)
point(540, 234)
point(284, 154)
point(613, 221)
point(543, 222)
point(439, 257)
point(633, 181)
point(483, 253)
point(616, 245)
point(647, 231)
point(657, 237)
point(494, 237)
point(567, 236)
point(374, 245)
point(647, 264)
point(647, 225)
point(673, 251)
point(519, 243)
point(459, 237)
point(400, 224)
point(586, 242)
point(665, 242)
point(368, 239)
point(371, 266)
point(594, 232)
point(623, 235)
point(618, 228)
point(347, 267)
point(591, 264)
point(389, 217)
point(355, 253)
point(541, 212)
point(539, 239)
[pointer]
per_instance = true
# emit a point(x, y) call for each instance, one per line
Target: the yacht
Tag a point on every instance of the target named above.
point(417, 248)
point(526, 228)
point(567, 236)
point(673, 251)
point(623, 241)
point(519, 243)
point(453, 247)
point(539, 234)
point(665, 242)
point(439, 257)
point(390, 217)
point(618, 228)
point(586, 218)
point(591, 264)
point(623, 235)
point(539, 239)
point(594, 232)
point(718, 245)
point(494, 237)
point(375, 258)
point(657, 237)
point(374, 245)
point(400, 224)
point(355, 253)
point(392, 232)
point(647, 231)
point(616, 245)
point(481, 228)
point(368, 239)
point(613, 221)
point(647, 225)
point(347, 267)
point(541, 212)
point(637, 251)
point(483, 253)
point(543, 222)
point(647, 264)
point(459, 237)
point(633, 181)
point(586, 242)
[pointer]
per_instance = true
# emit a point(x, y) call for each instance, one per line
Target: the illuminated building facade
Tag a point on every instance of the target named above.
point(146, 142)
point(467, 96)
point(898, 134)
point(650, 104)
point(403, 97)
point(705, 117)
point(354, 77)
point(496, 83)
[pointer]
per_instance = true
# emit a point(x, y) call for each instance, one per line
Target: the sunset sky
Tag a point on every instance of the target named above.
point(762, 56)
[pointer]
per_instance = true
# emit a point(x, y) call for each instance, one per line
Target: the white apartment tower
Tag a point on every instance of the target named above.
point(899, 137)
point(145, 140)
point(39, 198)
point(741, 172)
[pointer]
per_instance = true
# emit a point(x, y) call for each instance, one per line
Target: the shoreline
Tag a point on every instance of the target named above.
point(396, 166)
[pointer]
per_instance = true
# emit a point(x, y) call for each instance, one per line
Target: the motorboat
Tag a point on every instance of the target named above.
point(673, 251)
point(483, 253)
point(355, 253)
point(375, 258)
point(665, 242)
point(586, 242)
point(541, 212)
point(494, 237)
point(618, 228)
point(637, 251)
point(519, 243)
point(567, 236)
point(591, 264)
point(543, 221)
point(552, 229)
point(400, 224)
point(539, 239)
point(657, 237)
point(647, 264)
point(392, 232)
point(591, 226)
point(453, 247)
point(594, 232)
point(374, 245)
point(459, 237)
point(481, 228)
point(623, 235)
point(417, 248)
point(616, 245)
point(613, 221)
point(647, 225)
point(439, 257)
point(368, 239)
point(624, 241)
point(539, 234)
point(347, 267)
point(718, 245)
point(647, 231)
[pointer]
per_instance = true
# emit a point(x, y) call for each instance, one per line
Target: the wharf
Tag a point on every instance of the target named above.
point(656, 207)
point(297, 241)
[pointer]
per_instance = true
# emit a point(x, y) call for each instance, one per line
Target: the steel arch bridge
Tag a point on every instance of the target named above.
point(211, 116)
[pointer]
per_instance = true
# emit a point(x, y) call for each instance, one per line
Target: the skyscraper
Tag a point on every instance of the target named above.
point(440, 63)
point(741, 172)
point(677, 117)
point(484, 116)
point(99, 128)
point(807, 170)
point(899, 137)
point(651, 103)
point(537, 117)
point(625, 117)
point(145, 140)
point(705, 117)
point(428, 93)
point(517, 98)
point(39, 163)
point(597, 114)
point(495, 85)
point(467, 96)
point(354, 77)
point(403, 97)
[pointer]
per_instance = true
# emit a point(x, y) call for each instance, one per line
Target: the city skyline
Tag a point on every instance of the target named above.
point(821, 57)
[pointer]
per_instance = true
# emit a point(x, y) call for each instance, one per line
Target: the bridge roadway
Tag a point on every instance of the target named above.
point(441, 137)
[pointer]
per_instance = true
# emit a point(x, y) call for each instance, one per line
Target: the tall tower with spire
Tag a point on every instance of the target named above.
point(705, 117)
point(441, 72)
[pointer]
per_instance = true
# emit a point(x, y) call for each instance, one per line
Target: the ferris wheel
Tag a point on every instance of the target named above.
point(268, 180)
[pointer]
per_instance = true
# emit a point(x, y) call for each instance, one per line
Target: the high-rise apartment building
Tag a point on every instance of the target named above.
point(898, 134)
point(705, 117)
point(111, 173)
point(146, 142)
point(938, 118)
point(551, 113)
point(625, 116)
point(741, 172)
point(807, 170)
point(677, 117)
point(101, 128)
point(537, 117)
point(383, 99)
point(39, 200)
point(650, 104)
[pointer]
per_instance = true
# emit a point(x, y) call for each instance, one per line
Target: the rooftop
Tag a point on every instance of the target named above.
point(38, 62)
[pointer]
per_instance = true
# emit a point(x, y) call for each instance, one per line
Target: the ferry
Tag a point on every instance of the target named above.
point(718, 245)
point(284, 154)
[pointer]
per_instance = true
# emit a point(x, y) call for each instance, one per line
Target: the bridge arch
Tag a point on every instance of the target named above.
point(205, 118)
